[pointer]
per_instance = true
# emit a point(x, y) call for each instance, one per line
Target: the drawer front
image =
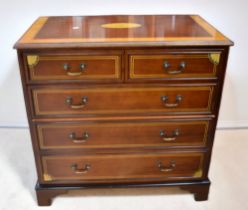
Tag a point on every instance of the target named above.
point(113, 167)
point(173, 66)
point(55, 101)
point(112, 135)
point(93, 67)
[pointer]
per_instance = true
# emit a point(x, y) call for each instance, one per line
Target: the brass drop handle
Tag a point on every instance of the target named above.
point(169, 168)
point(66, 67)
point(83, 170)
point(167, 66)
point(171, 105)
point(79, 140)
point(69, 102)
point(175, 133)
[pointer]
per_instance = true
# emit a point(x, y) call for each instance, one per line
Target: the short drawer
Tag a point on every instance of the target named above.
point(122, 100)
point(74, 67)
point(176, 166)
point(162, 66)
point(129, 134)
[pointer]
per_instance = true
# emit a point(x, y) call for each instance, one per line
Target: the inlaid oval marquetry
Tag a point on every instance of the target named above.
point(121, 25)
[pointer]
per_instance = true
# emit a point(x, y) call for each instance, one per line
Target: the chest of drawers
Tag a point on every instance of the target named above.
point(122, 101)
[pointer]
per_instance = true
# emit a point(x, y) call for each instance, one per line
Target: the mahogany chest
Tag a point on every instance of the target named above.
point(122, 101)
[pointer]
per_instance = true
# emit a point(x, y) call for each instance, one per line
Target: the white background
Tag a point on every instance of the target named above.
point(229, 16)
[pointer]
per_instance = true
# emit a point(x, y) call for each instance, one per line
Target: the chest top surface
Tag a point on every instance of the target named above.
point(121, 30)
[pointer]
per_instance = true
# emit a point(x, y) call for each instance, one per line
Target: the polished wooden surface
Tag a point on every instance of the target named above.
point(135, 97)
point(121, 30)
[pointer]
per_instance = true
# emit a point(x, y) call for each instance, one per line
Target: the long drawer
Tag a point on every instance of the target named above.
point(129, 134)
point(122, 100)
point(175, 166)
